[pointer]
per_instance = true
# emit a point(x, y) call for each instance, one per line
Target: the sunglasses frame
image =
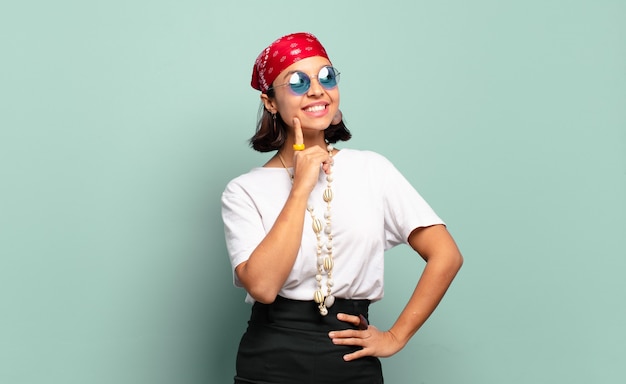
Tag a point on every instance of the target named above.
point(307, 79)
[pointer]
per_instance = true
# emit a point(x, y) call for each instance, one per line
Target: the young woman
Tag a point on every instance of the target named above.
point(307, 231)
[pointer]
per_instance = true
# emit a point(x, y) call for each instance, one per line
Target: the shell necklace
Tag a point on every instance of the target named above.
point(325, 262)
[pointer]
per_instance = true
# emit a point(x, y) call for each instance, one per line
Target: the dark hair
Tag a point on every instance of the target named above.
point(271, 132)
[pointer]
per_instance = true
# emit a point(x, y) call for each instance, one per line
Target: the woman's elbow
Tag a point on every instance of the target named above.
point(262, 296)
point(458, 262)
point(261, 290)
point(448, 262)
point(452, 264)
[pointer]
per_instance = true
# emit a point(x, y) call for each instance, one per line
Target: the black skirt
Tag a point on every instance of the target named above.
point(287, 343)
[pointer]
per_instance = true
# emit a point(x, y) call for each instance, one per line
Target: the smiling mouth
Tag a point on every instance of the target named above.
point(315, 108)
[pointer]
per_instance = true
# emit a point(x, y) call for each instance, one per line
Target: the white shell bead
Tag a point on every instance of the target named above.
point(318, 277)
point(330, 282)
point(323, 311)
point(329, 301)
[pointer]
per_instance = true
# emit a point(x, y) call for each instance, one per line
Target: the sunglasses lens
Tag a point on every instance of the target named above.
point(328, 77)
point(299, 83)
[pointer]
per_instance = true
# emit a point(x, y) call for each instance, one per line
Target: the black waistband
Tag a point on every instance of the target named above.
point(305, 314)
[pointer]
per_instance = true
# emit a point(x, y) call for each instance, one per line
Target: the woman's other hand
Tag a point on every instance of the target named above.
point(373, 342)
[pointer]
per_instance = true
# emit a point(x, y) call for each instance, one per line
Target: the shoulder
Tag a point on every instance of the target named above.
point(245, 182)
point(355, 157)
point(257, 182)
point(241, 181)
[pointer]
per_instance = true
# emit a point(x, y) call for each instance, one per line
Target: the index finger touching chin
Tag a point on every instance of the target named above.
point(299, 139)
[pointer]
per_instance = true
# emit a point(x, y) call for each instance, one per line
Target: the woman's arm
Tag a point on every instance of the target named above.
point(443, 261)
point(269, 265)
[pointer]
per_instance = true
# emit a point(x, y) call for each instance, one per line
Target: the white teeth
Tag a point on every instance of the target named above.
point(316, 108)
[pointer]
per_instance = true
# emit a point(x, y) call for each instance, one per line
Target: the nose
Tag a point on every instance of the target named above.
point(315, 88)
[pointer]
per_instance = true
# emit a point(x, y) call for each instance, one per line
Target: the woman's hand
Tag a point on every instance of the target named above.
point(308, 161)
point(373, 341)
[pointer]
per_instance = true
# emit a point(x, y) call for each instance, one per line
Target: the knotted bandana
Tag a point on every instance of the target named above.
point(281, 54)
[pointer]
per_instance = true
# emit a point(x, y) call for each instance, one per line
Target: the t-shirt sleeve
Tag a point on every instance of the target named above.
point(243, 227)
point(405, 209)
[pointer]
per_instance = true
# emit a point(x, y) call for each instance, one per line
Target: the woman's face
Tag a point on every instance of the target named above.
point(315, 108)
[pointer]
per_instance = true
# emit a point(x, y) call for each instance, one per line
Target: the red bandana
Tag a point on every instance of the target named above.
point(281, 54)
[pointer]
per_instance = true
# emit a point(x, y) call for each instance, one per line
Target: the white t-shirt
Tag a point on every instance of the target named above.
point(374, 208)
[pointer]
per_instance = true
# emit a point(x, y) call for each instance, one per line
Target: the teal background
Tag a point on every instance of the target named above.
point(122, 121)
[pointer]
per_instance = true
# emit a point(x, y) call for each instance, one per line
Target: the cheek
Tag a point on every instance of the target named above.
point(334, 95)
point(288, 111)
point(335, 98)
point(284, 100)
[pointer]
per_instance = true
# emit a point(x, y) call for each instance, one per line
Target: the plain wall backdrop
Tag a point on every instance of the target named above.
point(122, 121)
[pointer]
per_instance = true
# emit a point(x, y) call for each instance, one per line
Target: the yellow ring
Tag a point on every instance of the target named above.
point(298, 147)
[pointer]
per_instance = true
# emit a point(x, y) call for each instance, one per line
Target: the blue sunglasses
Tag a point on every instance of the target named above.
point(300, 82)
